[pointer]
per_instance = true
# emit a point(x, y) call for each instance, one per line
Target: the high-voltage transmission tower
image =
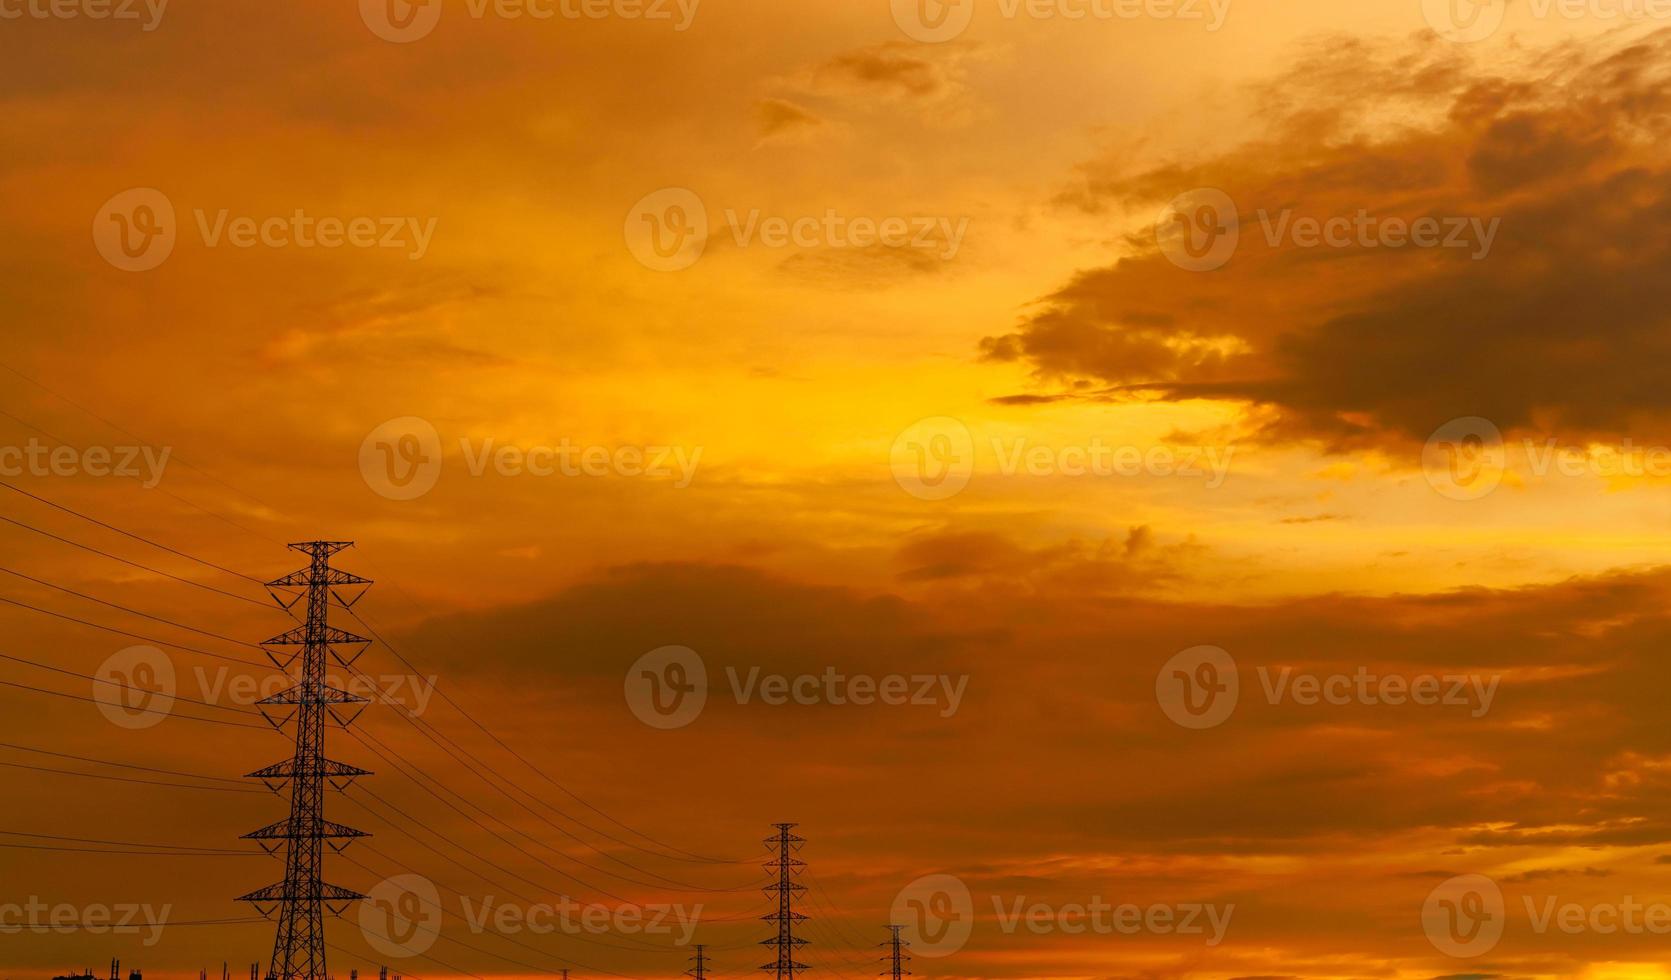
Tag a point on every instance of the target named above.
point(301, 899)
point(785, 867)
point(699, 969)
point(896, 958)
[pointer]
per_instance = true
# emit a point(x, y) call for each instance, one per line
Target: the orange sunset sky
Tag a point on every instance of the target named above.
point(1023, 347)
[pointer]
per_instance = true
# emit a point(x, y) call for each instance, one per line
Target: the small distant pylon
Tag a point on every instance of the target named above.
point(896, 958)
point(699, 968)
point(785, 867)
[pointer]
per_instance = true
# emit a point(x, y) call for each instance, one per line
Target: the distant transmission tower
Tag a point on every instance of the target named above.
point(700, 970)
point(301, 898)
point(786, 867)
point(896, 958)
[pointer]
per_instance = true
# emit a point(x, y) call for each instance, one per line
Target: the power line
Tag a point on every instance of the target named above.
point(478, 809)
point(121, 765)
point(125, 533)
point(502, 839)
point(502, 868)
point(130, 562)
point(160, 489)
point(125, 687)
point(136, 636)
point(179, 553)
point(518, 756)
point(687, 855)
point(402, 827)
point(436, 851)
point(103, 850)
point(78, 697)
point(106, 926)
point(424, 956)
point(124, 779)
point(452, 748)
point(444, 911)
point(541, 886)
point(130, 610)
point(142, 711)
point(426, 730)
point(821, 896)
point(129, 843)
point(178, 458)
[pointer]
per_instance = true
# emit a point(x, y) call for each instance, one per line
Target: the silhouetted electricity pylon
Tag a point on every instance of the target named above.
point(787, 889)
point(301, 898)
point(896, 957)
point(699, 971)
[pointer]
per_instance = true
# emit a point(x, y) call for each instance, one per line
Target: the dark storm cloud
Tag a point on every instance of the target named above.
point(1559, 324)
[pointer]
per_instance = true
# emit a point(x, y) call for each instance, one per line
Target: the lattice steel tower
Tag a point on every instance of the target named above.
point(302, 897)
point(787, 889)
point(699, 969)
point(896, 958)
